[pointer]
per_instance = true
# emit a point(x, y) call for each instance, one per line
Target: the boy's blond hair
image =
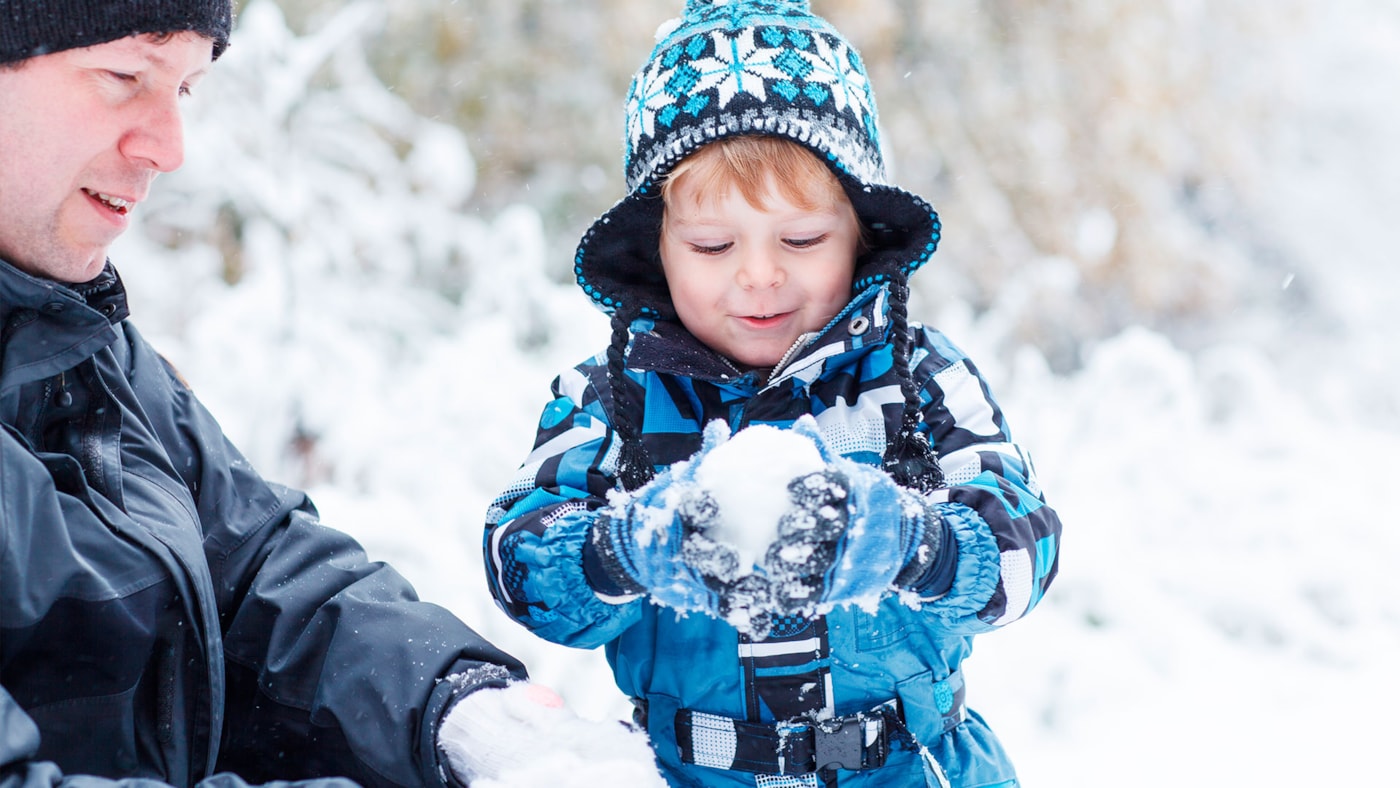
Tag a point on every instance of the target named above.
point(746, 162)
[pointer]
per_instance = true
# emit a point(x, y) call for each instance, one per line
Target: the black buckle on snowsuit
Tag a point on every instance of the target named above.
point(840, 743)
point(853, 742)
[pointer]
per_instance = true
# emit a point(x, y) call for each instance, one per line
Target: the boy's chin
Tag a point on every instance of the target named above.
point(749, 361)
point(752, 350)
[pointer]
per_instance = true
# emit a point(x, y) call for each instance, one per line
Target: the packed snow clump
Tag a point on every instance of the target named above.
point(747, 477)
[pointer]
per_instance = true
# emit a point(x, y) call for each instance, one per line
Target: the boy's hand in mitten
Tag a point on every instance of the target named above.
point(809, 535)
point(852, 534)
point(655, 541)
point(894, 539)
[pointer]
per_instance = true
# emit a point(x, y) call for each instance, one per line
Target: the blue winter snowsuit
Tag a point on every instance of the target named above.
point(850, 661)
point(165, 613)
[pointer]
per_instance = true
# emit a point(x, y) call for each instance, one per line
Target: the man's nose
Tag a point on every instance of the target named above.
point(157, 137)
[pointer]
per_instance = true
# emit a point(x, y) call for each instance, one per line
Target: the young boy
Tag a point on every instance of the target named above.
point(756, 274)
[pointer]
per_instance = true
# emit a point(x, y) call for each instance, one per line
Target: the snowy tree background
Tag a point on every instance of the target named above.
point(1170, 243)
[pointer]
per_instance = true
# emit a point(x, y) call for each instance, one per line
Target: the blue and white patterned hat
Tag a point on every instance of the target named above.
point(729, 68)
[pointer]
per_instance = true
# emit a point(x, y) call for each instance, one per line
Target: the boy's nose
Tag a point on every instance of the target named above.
point(758, 270)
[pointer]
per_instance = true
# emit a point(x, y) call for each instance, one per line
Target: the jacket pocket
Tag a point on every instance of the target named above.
point(69, 727)
point(888, 627)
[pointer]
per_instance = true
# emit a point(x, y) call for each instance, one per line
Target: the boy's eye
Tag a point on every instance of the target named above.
point(803, 243)
point(707, 249)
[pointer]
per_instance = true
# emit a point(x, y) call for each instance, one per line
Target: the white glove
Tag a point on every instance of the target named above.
point(522, 736)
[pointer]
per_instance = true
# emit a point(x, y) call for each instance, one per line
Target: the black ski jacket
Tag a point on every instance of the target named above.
point(167, 614)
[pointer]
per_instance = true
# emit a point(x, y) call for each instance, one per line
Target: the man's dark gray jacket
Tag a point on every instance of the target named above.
point(165, 613)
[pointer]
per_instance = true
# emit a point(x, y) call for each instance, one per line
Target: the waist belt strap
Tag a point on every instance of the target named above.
point(857, 741)
point(853, 742)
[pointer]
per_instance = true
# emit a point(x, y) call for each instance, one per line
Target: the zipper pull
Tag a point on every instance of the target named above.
point(63, 398)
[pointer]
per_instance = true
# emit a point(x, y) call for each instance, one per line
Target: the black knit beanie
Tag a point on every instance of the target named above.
point(29, 28)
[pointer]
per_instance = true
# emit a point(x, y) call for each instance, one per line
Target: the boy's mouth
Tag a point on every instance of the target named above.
point(765, 319)
point(117, 205)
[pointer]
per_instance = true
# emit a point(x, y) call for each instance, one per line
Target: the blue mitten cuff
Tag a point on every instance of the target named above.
point(933, 558)
point(602, 567)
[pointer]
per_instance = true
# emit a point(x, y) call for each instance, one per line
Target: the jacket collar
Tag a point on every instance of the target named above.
point(667, 347)
point(47, 327)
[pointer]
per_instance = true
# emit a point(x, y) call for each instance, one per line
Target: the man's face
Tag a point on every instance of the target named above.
point(749, 281)
point(83, 133)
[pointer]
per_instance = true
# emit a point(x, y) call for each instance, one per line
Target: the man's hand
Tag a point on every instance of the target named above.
point(523, 734)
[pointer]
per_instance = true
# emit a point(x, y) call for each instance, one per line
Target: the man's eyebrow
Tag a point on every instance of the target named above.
point(157, 57)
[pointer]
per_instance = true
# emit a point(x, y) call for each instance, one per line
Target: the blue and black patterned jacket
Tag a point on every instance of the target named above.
point(849, 661)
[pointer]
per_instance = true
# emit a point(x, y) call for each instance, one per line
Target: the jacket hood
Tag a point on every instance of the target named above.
point(618, 262)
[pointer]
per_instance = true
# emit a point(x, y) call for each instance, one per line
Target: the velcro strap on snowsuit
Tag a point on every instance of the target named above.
point(853, 742)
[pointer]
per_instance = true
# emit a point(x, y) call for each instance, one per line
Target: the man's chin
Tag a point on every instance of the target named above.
point(76, 270)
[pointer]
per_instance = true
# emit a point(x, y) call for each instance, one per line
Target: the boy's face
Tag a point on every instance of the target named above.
point(749, 281)
point(83, 132)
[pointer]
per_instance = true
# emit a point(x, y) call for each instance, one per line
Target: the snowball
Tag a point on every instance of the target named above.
point(526, 743)
point(748, 477)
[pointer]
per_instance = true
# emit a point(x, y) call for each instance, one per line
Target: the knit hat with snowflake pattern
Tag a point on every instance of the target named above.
point(732, 68)
point(29, 28)
point(727, 68)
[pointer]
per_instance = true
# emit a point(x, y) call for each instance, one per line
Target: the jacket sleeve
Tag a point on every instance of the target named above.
point(1007, 537)
point(333, 665)
point(19, 743)
point(535, 530)
point(20, 763)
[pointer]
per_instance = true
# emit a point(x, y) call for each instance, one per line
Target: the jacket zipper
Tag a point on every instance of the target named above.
point(797, 347)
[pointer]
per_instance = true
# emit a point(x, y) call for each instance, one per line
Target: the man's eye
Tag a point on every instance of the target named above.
point(803, 243)
point(121, 76)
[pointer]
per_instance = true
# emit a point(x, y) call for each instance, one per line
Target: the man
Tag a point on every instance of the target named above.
point(165, 613)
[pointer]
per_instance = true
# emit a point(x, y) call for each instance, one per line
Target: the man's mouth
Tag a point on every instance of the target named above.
point(116, 205)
